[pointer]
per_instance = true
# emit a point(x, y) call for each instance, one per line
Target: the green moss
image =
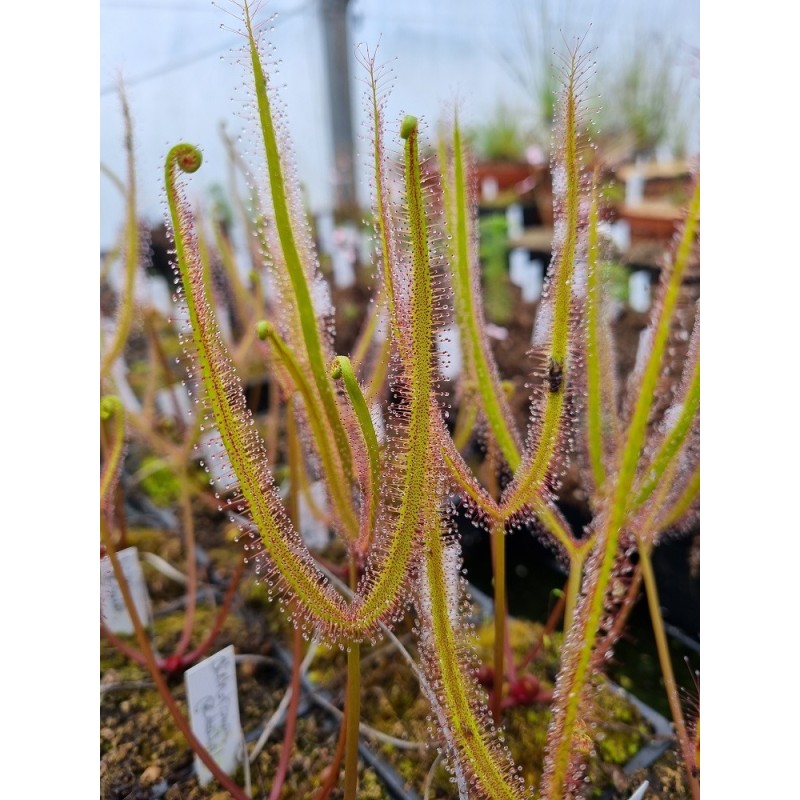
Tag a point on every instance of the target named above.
point(370, 787)
point(497, 294)
point(116, 666)
point(159, 481)
point(149, 540)
point(613, 725)
point(329, 665)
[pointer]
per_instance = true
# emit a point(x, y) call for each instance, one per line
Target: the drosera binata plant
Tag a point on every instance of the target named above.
point(389, 502)
point(624, 456)
point(170, 437)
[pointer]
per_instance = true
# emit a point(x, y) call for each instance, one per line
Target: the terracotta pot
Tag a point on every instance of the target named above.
point(496, 177)
point(651, 220)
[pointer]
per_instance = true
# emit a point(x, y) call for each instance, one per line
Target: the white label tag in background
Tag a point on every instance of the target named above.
point(527, 273)
point(174, 399)
point(112, 606)
point(214, 711)
point(215, 459)
point(316, 534)
point(448, 346)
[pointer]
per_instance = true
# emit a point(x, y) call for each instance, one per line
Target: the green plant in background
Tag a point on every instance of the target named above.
point(644, 99)
point(616, 279)
point(532, 67)
point(498, 296)
point(129, 247)
point(388, 499)
point(158, 481)
point(167, 472)
point(643, 102)
point(501, 137)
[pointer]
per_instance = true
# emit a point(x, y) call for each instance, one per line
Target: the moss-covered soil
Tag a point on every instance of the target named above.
point(143, 755)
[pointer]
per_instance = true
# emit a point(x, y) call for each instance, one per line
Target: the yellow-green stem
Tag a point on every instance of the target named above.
point(576, 562)
point(131, 251)
point(467, 312)
point(500, 610)
point(534, 469)
point(578, 672)
point(342, 368)
point(291, 254)
point(353, 715)
point(685, 501)
point(666, 668)
point(339, 491)
point(382, 212)
point(478, 756)
point(367, 334)
point(594, 395)
point(674, 440)
point(241, 300)
point(111, 406)
point(377, 381)
point(465, 421)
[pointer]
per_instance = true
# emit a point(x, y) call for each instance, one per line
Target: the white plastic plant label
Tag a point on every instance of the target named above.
point(639, 291)
point(314, 532)
point(112, 606)
point(634, 189)
point(527, 273)
point(640, 792)
point(213, 700)
point(448, 347)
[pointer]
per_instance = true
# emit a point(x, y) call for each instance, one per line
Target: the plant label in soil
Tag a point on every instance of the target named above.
point(214, 711)
point(640, 792)
point(112, 606)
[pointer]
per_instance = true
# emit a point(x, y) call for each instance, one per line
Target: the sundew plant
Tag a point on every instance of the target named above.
point(390, 494)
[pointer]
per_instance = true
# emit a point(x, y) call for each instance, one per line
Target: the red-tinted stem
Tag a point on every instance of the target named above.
point(121, 645)
point(511, 668)
point(621, 618)
point(332, 775)
point(222, 615)
point(171, 663)
point(500, 619)
point(224, 780)
point(291, 717)
point(549, 627)
point(119, 510)
point(191, 567)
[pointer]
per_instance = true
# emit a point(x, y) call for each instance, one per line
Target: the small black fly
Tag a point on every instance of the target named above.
point(555, 376)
